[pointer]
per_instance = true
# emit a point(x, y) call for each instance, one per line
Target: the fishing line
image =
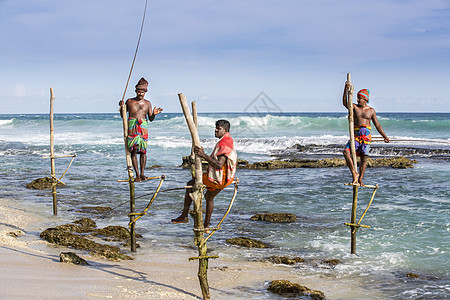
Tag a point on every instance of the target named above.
point(135, 53)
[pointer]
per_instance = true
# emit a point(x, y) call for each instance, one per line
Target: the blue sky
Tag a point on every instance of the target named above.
point(223, 54)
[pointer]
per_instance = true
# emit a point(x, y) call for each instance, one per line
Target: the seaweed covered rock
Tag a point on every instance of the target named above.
point(42, 183)
point(330, 263)
point(286, 288)
point(412, 275)
point(247, 242)
point(118, 233)
point(284, 260)
point(72, 258)
point(398, 162)
point(68, 239)
point(86, 223)
point(275, 217)
point(69, 235)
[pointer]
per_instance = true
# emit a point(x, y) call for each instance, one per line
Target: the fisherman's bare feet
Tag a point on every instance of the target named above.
point(355, 178)
point(207, 231)
point(179, 220)
point(360, 182)
point(138, 179)
point(144, 177)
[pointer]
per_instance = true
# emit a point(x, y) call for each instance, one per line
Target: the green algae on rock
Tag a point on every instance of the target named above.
point(69, 235)
point(284, 260)
point(118, 233)
point(72, 258)
point(399, 162)
point(42, 183)
point(275, 217)
point(247, 242)
point(286, 288)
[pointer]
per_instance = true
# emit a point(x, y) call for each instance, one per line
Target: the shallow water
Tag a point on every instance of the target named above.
point(409, 217)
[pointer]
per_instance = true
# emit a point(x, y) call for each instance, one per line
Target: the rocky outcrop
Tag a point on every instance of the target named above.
point(247, 242)
point(74, 236)
point(275, 217)
point(286, 288)
point(284, 260)
point(42, 183)
point(72, 258)
point(117, 233)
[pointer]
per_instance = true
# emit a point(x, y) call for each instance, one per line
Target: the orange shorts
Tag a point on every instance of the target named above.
point(212, 186)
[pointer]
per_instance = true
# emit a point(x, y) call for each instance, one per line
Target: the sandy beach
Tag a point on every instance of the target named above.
point(31, 269)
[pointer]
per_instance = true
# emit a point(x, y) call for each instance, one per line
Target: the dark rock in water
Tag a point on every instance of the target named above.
point(284, 260)
point(86, 222)
point(275, 217)
point(60, 236)
point(42, 183)
point(96, 209)
point(286, 288)
point(70, 257)
point(412, 275)
point(247, 242)
point(332, 262)
point(119, 233)
point(154, 167)
point(394, 162)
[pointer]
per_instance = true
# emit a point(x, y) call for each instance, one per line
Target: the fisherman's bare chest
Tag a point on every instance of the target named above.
point(363, 113)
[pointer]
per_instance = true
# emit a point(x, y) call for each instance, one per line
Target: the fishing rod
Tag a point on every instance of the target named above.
point(135, 53)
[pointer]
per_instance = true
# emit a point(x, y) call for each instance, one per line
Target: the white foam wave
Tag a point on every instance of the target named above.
point(171, 142)
point(6, 122)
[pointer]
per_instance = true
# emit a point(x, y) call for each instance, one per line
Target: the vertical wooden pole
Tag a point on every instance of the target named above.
point(197, 197)
point(123, 111)
point(353, 154)
point(52, 153)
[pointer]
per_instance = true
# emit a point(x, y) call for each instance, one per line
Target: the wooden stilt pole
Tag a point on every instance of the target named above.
point(52, 153)
point(195, 119)
point(123, 111)
point(353, 154)
point(197, 197)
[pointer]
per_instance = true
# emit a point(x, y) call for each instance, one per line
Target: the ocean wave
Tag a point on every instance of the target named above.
point(6, 122)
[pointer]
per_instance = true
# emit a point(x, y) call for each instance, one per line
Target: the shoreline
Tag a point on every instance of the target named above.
point(31, 268)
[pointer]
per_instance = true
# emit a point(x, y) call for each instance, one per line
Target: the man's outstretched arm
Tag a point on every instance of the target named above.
point(379, 128)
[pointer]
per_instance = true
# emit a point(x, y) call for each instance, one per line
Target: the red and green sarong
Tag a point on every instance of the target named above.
point(137, 135)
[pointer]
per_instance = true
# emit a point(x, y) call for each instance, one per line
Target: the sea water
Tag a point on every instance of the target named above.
point(409, 217)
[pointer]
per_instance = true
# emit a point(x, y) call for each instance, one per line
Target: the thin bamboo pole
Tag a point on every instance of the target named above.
point(123, 111)
point(213, 230)
point(52, 152)
point(353, 154)
point(197, 197)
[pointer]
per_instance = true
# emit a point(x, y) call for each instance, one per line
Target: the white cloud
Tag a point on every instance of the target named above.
point(19, 90)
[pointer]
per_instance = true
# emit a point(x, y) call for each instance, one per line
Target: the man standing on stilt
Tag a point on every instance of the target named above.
point(363, 114)
point(139, 113)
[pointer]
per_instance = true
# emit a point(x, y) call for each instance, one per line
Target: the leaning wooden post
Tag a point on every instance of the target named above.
point(192, 158)
point(52, 153)
point(353, 154)
point(197, 197)
point(123, 112)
